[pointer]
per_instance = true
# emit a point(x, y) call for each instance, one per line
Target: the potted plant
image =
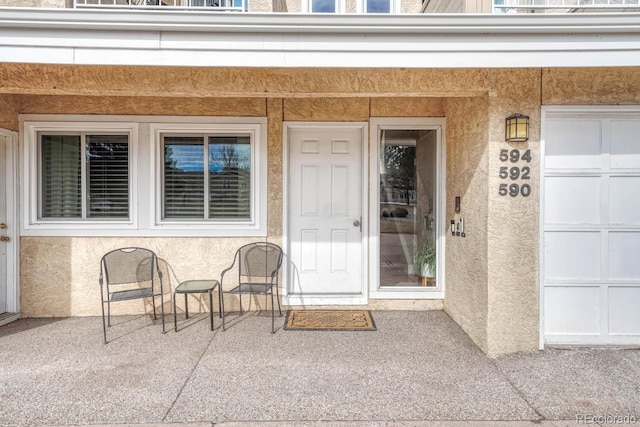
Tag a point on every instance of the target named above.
point(425, 260)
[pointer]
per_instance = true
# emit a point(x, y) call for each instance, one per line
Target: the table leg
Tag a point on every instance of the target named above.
point(186, 306)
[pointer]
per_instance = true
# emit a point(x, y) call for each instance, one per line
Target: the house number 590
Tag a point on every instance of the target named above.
point(514, 172)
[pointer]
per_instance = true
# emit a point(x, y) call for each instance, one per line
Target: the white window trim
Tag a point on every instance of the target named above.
point(30, 176)
point(256, 226)
point(414, 292)
point(142, 221)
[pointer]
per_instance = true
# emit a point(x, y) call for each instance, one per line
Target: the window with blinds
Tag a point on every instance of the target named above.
point(84, 176)
point(207, 181)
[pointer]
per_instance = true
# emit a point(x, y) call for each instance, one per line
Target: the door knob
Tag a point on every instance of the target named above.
point(4, 238)
point(3, 226)
point(356, 223)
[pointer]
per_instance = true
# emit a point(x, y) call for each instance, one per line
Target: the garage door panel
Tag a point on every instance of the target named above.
point(625, 144)
point(573, 200)
point(624, 310)
point(573, 144)
point(624, 200)
point(591, 236)
point(624, 255)
point(572, 256)
point(572, 310)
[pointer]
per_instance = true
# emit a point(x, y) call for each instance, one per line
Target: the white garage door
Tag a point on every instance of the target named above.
point(591, 219)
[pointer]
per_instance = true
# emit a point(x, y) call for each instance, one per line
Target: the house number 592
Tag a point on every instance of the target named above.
point(514, 172)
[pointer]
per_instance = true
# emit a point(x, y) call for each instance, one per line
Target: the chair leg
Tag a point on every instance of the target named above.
point(273, 320)
point(104, 325)
point(211, 308)
point(220, 301)
point(278, 299)
point(175, 318)
point(153, 303)
point(222, 310)
point(164, 330)
point(108, 313)
point(240, 297)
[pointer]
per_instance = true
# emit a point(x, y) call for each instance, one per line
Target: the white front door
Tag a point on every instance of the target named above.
point(324, 213)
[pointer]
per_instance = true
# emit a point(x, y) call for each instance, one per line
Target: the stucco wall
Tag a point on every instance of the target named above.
point(261, 83)
point(466, 297)
point(590, 86)
point(8, 112)
point(513, 317)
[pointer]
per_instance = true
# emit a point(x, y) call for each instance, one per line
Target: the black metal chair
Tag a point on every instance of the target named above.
point(128, 274)
point(258, 269)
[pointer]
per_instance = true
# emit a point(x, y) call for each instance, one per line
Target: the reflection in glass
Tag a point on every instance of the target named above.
point(378, 6)
point(407, 214)
point(323, 6)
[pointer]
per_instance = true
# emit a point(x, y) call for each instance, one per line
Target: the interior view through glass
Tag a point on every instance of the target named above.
point(407, 208)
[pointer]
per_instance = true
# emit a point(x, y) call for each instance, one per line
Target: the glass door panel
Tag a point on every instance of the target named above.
point(408, 186)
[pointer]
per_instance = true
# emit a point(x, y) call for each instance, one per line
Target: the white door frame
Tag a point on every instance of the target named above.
point(435, 124)
point(11, 180)
point(362, 298)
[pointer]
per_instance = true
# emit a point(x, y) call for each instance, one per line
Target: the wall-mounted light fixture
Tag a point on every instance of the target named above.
point(516, 128)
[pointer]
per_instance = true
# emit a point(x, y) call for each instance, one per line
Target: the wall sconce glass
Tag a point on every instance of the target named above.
point(516, 128)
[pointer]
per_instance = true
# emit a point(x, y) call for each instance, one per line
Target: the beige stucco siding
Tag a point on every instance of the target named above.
point(9, 112)
point(513, 221)
point(466, 298)
point(591, 86)
point(233, 83)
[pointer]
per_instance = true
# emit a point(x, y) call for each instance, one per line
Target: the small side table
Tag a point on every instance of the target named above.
point(194, 287)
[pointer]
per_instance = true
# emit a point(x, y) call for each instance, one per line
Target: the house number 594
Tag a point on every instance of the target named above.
point(513, 172)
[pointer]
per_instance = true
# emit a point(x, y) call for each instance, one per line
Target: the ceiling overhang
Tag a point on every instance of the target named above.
point(214, 39)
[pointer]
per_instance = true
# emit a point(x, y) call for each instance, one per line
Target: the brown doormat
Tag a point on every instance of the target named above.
point(329, 320)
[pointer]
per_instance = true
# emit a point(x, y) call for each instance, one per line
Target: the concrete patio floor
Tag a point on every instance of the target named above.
point(418, 368)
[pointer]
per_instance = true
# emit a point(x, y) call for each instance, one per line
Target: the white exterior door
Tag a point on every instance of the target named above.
point(324, 214)
point(591, 227)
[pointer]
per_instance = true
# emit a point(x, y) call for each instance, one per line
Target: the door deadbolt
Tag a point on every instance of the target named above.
point(356, 223)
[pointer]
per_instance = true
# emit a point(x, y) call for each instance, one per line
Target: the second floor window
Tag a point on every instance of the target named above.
point(378, 6)
point(323, 6)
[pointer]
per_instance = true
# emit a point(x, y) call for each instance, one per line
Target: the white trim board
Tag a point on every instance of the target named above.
point(179, 38)
point(13, 246)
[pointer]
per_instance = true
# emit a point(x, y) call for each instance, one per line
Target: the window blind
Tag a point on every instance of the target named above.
point(230, 177)
point(61, 173)
point(108, 176)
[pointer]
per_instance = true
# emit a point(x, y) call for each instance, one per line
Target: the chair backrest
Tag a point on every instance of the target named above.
point(260, 259)
point(129, 265)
